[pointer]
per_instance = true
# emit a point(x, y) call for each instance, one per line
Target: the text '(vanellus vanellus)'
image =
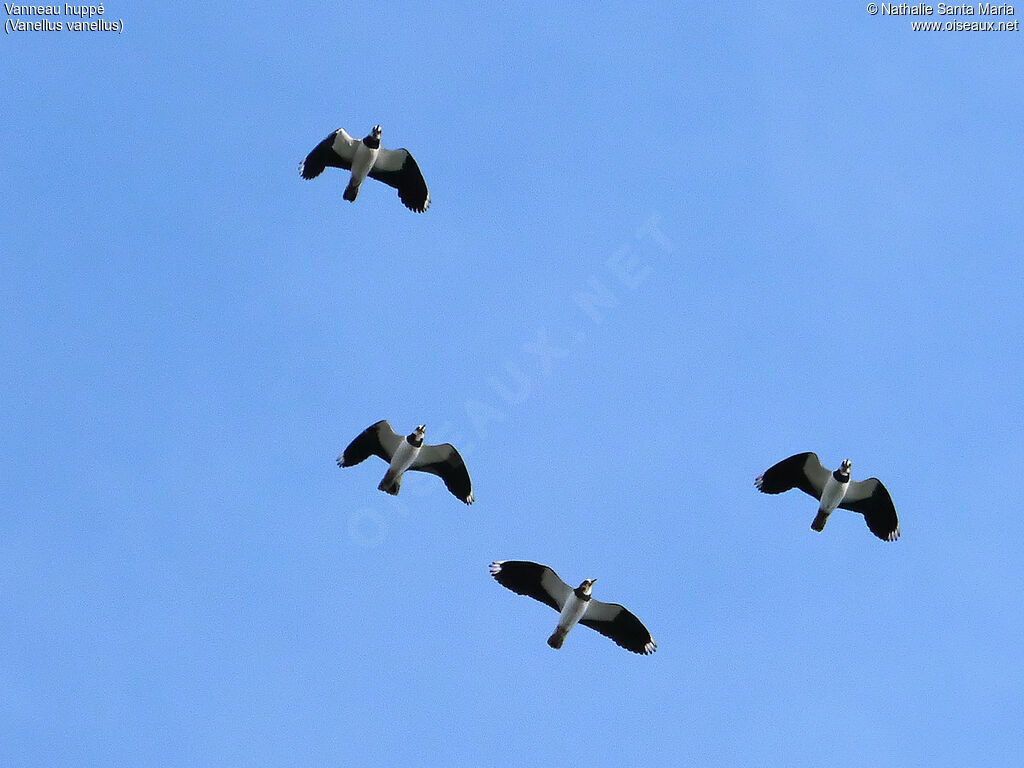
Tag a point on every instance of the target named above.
point(834, 489)
point(409, 452)
point(574, 605)
point(366, 157)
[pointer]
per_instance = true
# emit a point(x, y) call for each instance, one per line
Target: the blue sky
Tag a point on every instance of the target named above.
point(668, 247)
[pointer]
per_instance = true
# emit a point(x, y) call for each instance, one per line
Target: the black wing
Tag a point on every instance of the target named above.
point(324, 155)
point(445, 462)
point(398, 169)
point(377, 440)
point(802, 471)
point(533, 580)
point(614, 621)
point(872, 499)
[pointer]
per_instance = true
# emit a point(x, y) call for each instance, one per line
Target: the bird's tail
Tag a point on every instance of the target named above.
point(351, 191)
point(391, 484)
point(819, 521)
point(558, 637)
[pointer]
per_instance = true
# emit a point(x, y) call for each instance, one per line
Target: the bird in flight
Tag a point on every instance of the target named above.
point(573, 605)
point(410, 452)
point(834, 489)
point(366, 157)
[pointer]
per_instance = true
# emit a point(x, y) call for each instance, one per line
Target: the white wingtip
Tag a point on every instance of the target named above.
point(495, 567)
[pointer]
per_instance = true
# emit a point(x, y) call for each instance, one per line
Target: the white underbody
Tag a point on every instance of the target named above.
point(405, 454)
point(832, 495)
point(362, 162)
point(572, 612)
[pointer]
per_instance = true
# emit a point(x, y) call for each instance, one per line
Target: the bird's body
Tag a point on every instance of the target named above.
point(573, 610)
point(574, 606)
point(363, 158)
point(366, 157)
point(834, 490)
point(832, 495)
point(409, 452)
point(405, 454)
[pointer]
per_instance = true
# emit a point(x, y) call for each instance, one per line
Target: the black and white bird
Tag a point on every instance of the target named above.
point(366, 157)
point(574, 605)
point(834, 489)
point(409, 452)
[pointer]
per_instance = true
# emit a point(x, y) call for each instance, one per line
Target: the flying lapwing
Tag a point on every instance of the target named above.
point(409, 452)
point(574, 605)
point(834, 489)
point(366, 157)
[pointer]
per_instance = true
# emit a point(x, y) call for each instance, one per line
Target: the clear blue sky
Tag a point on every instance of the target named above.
point(668, 247)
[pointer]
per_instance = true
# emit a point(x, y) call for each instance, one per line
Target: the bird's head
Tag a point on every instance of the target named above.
point(416, 438)
point(376, 132)
point(845, 466)
point(587, 585)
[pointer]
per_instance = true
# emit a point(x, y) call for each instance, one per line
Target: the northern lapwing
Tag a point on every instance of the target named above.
point(409, 452)
point(366, 157)
point(574, 605)
point(834, 489)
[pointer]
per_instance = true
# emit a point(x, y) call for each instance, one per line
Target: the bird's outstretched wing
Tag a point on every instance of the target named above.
point(398, 169)
point(802, 471)
point(337, 151)
point(377, 440)
point(872, 499)
point(614, 621)
point(533, 580)
point(445, 462)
